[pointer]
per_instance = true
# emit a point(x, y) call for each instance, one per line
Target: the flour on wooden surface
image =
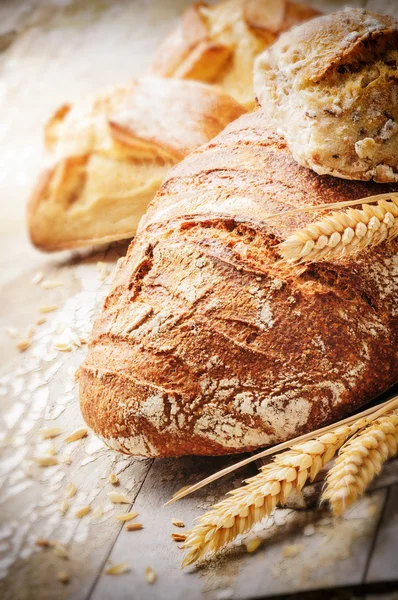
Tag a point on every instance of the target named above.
point(43, 391)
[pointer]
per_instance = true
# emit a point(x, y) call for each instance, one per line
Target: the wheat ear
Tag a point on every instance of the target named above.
point(249, 504)
point(343, 232)
point(370, 414)
point(359, 461)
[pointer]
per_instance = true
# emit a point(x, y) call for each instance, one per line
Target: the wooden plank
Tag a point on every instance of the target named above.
point(323, 554)
point(388, 476)
point(383, 565)
point(38, 390)
point(34, 575)
point(152, 546)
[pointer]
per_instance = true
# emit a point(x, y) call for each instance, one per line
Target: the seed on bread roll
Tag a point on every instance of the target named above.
point(200, 348)
point(330, 87)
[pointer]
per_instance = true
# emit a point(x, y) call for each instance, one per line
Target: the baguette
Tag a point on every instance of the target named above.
point(200, 347)
point(110, 153)
point(219, 43)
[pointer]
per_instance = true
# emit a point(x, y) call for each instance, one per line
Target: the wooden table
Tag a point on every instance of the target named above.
point(50, 52)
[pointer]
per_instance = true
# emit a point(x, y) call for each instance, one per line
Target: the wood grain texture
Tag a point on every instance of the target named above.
point(383, 564)
point(289, 559)
point(333, 556)
point(153, 547)
point(37, 391)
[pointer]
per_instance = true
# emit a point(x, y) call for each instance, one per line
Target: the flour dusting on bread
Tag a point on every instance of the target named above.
point(200, 349)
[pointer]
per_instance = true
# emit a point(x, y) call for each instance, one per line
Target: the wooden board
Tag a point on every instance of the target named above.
point(383, 563)
point(152, 547)
point(51, 52)
point(333, 555)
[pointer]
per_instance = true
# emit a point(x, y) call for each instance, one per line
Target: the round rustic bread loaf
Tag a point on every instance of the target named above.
point(200, 348)
point(330, 87)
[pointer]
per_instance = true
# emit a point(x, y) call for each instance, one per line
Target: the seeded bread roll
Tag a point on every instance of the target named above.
point(109, 154)
point(330, 87)
point(201, 348)
point(218, 43)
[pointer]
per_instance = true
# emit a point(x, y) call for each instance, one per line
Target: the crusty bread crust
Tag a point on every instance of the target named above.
point(201, 348)
point(219, 43)
point(110, 154)
point(330, 87)
point(189, 34)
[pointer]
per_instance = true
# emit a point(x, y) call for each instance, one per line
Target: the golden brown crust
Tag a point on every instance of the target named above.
point(51, 127)
point(110, 154)
point(274, 16)
point(189, 33)
point(188, 52)
point(219, 43)
point(201, 348)
point(204, 63)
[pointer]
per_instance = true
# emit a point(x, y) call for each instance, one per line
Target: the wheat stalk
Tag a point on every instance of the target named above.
point(344, 232)
point(371, 414)
point(251, 503)
point(359, 461)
